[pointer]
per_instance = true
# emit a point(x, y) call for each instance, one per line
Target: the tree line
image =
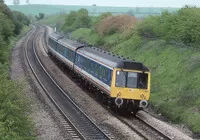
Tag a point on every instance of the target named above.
point(17, 2)
point(11, 23)
point(181, 26)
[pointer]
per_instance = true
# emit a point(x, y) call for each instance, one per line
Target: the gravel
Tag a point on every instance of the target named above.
point(163, 127)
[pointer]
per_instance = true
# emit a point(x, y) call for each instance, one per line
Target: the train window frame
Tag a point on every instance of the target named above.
point(129, 76)
point(139, 82)
point(118, 83)
point(106, 74)
point(92, 67)
point(96, 70)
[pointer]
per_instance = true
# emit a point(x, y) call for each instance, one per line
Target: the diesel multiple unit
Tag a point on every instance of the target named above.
point(126, 83)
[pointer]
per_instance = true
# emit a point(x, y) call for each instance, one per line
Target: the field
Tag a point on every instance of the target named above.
point(93, 10)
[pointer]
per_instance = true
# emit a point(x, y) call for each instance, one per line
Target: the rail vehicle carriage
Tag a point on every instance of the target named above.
point(126, 83)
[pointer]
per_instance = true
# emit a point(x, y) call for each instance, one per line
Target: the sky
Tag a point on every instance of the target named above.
point(121, 3)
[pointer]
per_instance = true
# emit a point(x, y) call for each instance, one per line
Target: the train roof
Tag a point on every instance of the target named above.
point(107, 58)
point(55, 36)
point(111, 60)
point(73, 44)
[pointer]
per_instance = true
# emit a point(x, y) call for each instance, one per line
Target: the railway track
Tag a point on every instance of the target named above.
point(142, 128)
point(77, 123)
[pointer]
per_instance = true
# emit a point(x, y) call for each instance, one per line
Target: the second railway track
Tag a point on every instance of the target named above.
point(79, 125)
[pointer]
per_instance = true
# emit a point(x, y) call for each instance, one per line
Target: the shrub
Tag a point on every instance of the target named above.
point(114, 24)
point(14, 123)
point(182, 26)
point(76, 20)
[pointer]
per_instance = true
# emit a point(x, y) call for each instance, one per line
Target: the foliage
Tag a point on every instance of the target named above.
point(182, 26)
point(69, 21)
point(40, 16)
point(5, 10)
point(27, 2)
point(82, 19)
point(131, 13)
point(100, 18)
point(13, 120)
point(76, 20)
point(6, 27)
point(16, 2)
point(21, 17)
point(14, 123)
point(19, 20)
point(114, 24)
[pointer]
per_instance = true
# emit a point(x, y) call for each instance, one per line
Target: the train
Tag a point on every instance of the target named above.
point(125, 83)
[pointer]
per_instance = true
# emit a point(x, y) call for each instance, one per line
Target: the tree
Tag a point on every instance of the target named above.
point(7, 26)
point(5, 10)
point(16, 2)
point(19, 20)
point(76, 20)
point(82, 19)
point(41, 16)
point(27, 2)
point(131, 13)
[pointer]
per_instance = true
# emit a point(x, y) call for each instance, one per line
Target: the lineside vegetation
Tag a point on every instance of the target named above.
point(14, 121)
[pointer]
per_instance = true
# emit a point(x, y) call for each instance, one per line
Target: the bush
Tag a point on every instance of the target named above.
point(76, 20)
point(6, 28)
point(114, 24)
point(14, 123)
point(182, 26)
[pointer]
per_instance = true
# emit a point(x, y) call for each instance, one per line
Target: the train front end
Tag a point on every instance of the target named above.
point(130, 88)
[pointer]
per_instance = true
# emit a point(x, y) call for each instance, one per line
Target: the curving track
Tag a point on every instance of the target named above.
point(78, 124)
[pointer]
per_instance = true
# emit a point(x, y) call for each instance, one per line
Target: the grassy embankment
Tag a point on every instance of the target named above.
point(167, 44)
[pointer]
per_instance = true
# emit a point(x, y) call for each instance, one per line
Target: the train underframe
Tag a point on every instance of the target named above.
point(128, 106)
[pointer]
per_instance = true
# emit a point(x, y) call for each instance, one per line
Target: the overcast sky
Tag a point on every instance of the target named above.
point(127, 3)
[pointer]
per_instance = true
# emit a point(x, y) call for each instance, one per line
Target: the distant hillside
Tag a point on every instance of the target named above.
point(93, 10)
